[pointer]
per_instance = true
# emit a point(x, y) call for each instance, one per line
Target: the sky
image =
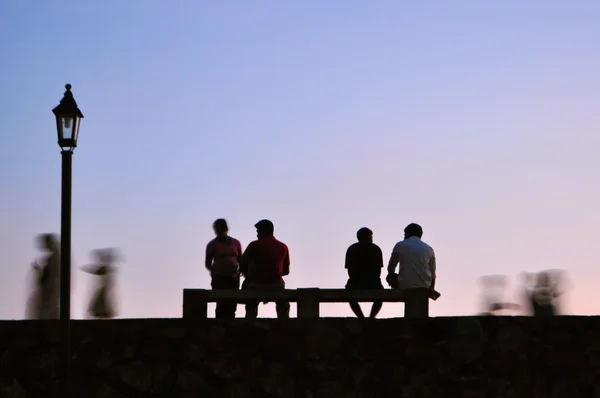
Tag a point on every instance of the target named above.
point(476, 119)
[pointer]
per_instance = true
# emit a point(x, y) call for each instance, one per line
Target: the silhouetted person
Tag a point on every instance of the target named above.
point(265, 262)
point(102, 303)
point(45, 300)
point(364, 261)
point(416, 276)
point(223, 256)
point(543, 295)
point(34, 300)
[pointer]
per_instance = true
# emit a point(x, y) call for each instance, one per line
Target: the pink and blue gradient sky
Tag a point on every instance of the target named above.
point(477, 119)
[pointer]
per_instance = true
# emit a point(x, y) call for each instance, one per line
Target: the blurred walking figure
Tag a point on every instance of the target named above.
point(364, 261)
point(44, 302)
point(543, 295)
point(223, 256)
point(494, 287)
point(102, 303)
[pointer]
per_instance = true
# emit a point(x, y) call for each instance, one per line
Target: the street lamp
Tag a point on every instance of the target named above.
point(68, 117)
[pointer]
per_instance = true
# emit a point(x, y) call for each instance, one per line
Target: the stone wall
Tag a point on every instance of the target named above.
point(497, 357)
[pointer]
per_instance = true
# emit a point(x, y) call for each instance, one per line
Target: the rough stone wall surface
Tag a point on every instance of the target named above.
point(467, 357)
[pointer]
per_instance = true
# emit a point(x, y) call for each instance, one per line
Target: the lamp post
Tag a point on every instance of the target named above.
point(68, 117)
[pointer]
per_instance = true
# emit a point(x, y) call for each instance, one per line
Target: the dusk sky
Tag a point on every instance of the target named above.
point(478, 120)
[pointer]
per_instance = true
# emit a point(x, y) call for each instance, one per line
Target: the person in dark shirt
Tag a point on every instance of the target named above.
point(543, 296)
point(264, 264)
point(364, 261)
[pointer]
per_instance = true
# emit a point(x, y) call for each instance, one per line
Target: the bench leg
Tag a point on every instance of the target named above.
point(308, 303)
point(195, 304)
point(416, 304)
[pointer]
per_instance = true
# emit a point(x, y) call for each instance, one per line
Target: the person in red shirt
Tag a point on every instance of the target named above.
point(264, 264)
point(223, 255)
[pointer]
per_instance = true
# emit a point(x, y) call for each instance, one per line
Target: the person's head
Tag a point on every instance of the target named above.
point(220, 227)
point(413, 230)
point(105, 256)
point(264, 229)
point(364, 235)
point(543, 279)
point(47, 242)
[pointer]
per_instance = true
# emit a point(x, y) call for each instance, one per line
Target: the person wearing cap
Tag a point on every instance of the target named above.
point(223, 255)
point(264, 263)
point(417, 272)
point(364, 261)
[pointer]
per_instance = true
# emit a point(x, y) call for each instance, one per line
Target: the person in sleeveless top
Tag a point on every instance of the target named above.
point(223, 255)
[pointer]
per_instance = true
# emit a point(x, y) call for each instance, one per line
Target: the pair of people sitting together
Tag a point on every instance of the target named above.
point(263, 264)
point(416, 275)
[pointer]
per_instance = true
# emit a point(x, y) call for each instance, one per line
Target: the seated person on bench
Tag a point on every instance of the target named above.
point(364, 261)
point(416, 276)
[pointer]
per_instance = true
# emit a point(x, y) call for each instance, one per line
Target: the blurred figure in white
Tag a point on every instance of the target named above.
point(102, 302)
point(44, 301)
point(494, 287)
point(526, 279)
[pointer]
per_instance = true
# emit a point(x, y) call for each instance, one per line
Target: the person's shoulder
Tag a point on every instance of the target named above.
point(353, 246)
point(235, 241)
point(400, 244)
point(281, 244)
point(426, 245)
point(376, 248)
point(211, 242)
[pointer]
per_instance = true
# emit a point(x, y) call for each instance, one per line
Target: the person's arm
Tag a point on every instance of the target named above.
point(379, 262)
point(239, 252)
point(432, 268)
point(350, 262)
point(208, 259)
point(555, 291)
point(245, 260)
point(394, 260)
point(286, 262)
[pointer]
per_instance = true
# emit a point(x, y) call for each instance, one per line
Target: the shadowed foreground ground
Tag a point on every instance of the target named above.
point(440, 357)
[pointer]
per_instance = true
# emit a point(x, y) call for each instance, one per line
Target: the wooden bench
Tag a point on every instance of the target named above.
point(195, 301)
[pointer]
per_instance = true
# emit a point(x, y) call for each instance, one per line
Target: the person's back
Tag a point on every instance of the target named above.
point(267, 258)
point(364, 261)
point(416, 258)
point(225, 252)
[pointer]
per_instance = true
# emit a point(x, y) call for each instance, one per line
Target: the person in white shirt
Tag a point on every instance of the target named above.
point(417, 272)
